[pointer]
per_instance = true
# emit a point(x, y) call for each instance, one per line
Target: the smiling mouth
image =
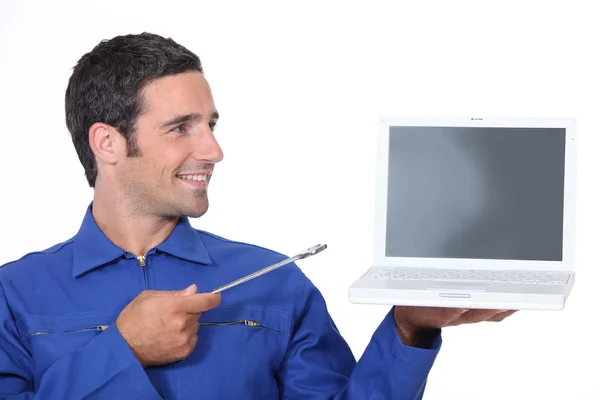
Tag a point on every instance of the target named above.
point(196, 178)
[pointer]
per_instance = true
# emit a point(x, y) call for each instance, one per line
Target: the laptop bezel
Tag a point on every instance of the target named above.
point(568, 256)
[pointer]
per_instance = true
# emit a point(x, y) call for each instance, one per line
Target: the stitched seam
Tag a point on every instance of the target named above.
point(222, 239)
point(297, 304)
point(3, 295)
point(371, 394)
point(47, 251)
point(300, 297)
point(293, 319)
point(390, 340)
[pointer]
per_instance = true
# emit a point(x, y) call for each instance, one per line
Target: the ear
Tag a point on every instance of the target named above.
point(106, 143)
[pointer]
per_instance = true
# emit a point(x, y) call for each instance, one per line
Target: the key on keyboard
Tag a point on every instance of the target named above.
point(463, 275)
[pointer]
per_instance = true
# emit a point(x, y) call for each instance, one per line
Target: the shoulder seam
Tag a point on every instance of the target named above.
point(222, 239)
point(50, 250)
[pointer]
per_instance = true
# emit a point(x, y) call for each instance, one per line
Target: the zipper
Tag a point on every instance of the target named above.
point(98, 328)
point(246, 322)
point(142, 261)
point(38, 333)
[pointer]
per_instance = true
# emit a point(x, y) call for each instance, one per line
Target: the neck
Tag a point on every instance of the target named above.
point(133, 229)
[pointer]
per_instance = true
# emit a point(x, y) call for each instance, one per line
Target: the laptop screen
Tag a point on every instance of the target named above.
point(475, 192)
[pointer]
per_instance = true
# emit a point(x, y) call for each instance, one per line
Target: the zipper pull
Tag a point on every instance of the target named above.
point(142, 260)
point(252, 323)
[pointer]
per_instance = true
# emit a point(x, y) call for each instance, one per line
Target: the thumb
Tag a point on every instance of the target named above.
point(192, 289)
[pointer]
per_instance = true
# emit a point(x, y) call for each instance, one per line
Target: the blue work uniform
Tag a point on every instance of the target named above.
point(271, 338)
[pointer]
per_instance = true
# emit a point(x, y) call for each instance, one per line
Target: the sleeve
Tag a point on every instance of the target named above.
point(319, 363)
point(105, 368)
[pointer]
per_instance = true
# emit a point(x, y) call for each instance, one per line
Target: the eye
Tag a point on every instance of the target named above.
point(212, 125)
point(180, 129)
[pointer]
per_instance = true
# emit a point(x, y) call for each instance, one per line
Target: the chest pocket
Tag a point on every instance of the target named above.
point(243, 347)
point(50, 338)
point(258, 317)
point(240, 328)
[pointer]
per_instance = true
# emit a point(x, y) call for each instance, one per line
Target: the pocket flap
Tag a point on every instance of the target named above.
point(274, 320)
point(64, 323)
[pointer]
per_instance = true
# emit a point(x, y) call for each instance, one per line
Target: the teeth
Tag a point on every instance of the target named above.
point(193, 177)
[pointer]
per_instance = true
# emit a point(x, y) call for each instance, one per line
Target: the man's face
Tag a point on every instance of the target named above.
point(178, 148)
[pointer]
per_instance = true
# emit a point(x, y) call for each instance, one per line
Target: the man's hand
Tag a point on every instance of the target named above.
point(414, 323)
point(161, 327)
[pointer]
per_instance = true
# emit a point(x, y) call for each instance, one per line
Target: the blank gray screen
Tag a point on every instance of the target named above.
point(465, 192)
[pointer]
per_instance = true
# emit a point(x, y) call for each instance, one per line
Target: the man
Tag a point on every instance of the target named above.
point(123, 311)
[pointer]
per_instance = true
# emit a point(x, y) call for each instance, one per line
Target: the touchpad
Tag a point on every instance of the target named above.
point(464, 286)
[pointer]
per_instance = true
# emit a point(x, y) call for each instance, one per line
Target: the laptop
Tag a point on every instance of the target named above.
point(473, 213)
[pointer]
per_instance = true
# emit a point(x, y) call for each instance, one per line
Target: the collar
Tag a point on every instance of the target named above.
point(92, 249)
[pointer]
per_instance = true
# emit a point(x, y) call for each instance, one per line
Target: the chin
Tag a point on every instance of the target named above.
point(194, 211)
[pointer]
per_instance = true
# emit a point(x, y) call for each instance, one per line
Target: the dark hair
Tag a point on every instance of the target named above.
point(106, 86)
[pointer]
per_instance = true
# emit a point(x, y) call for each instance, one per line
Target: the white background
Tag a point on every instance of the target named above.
point(300, 89)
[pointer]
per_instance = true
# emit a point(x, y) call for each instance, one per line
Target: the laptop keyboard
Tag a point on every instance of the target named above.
point(463, 275)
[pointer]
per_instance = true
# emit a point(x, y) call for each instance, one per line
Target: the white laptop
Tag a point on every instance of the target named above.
point(473, 213)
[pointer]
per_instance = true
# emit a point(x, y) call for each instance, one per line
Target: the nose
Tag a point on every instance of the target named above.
point(206, 146)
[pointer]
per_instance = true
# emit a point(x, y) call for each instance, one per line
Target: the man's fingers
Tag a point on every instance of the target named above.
point(502, 315)
point(200, 302)
point(192, 289)
point(446, 316)
point(479, 315)
point(473, 316)
point(455, 313)
point(428, 317)
point(439, 317)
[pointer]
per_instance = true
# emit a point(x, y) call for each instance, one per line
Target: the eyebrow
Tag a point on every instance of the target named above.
point(188, 117)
